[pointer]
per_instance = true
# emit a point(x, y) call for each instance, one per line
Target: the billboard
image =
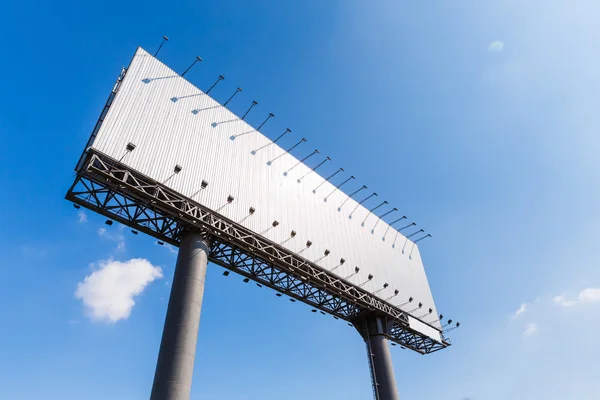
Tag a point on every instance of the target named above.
point(188, 141)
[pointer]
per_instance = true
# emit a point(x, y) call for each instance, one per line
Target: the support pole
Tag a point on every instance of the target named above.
point(380, 359)
point(175, 365)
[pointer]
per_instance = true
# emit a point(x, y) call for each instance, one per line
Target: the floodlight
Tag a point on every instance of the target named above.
point(130, 146)
point(177, 169)
point(327, 252)
point(430, 310)
point(342, 261)
point(278, 294)
point(457, 324)
point(77, 206)
point(225, 273)
point(441, 317)
point(293, 300)
point(313, 310)
point(449, 321)
point(410, 299)
point(204, 184)
point(251, 210)
point(322, 312)
point(108, 222)
point(385, 285)
point(370, 276)
point(308, 243)
point(393, 344)
point(356, 269)
point(396, 292)
point(160, 242)
point(134, 231)
point(259, 285)
point(246, 280)
point(275, 223)
point(293, 233)
point(420, 304)
point(229, 198)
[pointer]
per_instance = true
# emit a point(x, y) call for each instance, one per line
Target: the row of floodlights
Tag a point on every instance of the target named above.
point(178, 168)
point(441, 316)
point(342, 261)
point(253, 152)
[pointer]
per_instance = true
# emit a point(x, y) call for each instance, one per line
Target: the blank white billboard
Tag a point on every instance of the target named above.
point(172, 122)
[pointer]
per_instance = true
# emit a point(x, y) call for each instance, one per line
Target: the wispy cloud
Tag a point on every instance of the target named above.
point(589, 295)
point(496, 46)
point(118, 237)
point(531, 330)
point(108, 292)
point(521, 310)
point(82, 217)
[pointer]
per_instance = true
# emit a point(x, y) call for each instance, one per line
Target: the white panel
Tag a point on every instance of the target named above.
point(173, 122)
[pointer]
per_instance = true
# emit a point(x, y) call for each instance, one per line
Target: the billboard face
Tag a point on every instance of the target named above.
point(173, 123)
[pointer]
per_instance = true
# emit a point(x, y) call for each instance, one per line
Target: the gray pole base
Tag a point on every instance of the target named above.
point(383, 373)
point(175, 366)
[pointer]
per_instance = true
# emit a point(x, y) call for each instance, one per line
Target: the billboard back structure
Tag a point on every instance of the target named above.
point(161, 131)
point(167, 159)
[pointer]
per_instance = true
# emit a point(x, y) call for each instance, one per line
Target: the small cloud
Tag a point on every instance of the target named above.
point(108, 292)
point(496, 46)
point(589, 295)
point(119, 238)
point(521, 310)
point(531, 330)
point(82, 217)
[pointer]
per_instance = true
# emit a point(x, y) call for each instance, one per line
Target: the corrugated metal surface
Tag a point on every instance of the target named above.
point(174, 123)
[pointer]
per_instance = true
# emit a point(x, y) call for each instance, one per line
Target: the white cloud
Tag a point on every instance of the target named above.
point(531, 329)
point(119, 238)
point(589, 295)
point(108, 292)
point(496, 46)
point(82, 217)
point(521, 310)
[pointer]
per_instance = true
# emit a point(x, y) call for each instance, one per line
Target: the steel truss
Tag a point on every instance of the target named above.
point(110, 188)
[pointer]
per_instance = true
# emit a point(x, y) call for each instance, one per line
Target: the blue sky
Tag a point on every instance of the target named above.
point(494, 150)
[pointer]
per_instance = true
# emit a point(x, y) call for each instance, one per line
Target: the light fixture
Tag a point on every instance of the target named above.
point(385, 285)
point(410, 299)
point(134, 231)
point(342, 261)
point(293, 300)
point(254, 102)
point(225, 273)
point(229, 198)
point(308, 243)
point(278, 294)
point(219, 79)
point(246, 280)
point(198, 58)
point(77, 206)
point(370, 276)
point(327, 252)
point(356, 269)
point(313, 310)
point(236, 92)
point(275, 223)
point(160, 242)
point(130, 146)
point(108, 222)
point(177, 169)
point(259, 285)
point(165, 39)
point(203, 184)
point(252, 210)
point(293, 233)
point(322, 313)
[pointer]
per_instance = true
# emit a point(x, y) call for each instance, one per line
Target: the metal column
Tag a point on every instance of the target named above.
point(380, 359)
point(173, 375)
